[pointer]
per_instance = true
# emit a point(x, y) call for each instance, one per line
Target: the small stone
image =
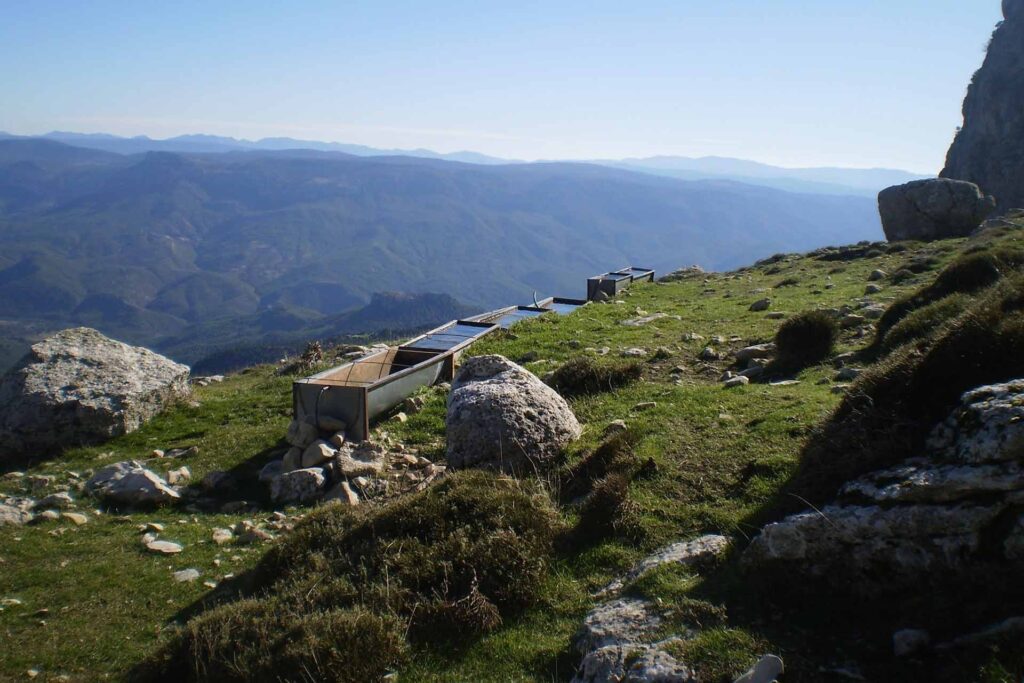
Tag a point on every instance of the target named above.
point(337, 439)
point(852, 320)
point(317, 453)
point(156, 453)
point(344, 494)
point(76, 518)
point(678, 370)
point(179, 476)
point(186, 575)
point(760, 305)
point(155, 527)
point(292, 460)
point(46, 516)
point(614, 427)
point(301, 433)
point(60, 501)
point(877, 275)
point(847, 374)
point(872, 289)
point(766, 670)
point(401, 418)
point(646, 405)
point(634, 352)
point(164, 547)
point(11, 602)
point(709, 354)
point(738, 381)
point(840, 388)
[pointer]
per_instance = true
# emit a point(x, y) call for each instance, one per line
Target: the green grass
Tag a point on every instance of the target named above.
point(719, 461)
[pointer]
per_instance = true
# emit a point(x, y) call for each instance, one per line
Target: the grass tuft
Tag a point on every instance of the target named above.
point(806, 339)
point(583, 375)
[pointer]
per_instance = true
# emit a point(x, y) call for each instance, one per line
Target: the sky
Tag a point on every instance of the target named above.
point(856, 83)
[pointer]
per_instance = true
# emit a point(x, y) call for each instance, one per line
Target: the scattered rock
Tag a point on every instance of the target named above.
point(413, 405)
point(754, 352)
point(222, 536)
point(737, 381)
point(76, 518)
point(696, 553)
point(46, 516)
point(301, 433)
point(298, 486)
point(634, 353)
point(847, 374)
point(709, 354)
point(500, 415)
point(766, 670)
point(179, 476)
point(60, 501)
point(852, 320)
point(342, 493)
point(131, 484)
point(164, 547)
point(317, 453)
point(760, 305)
point(186, 575)
point(646, 405)
point(614, 427)
point(877, 275)
point(645, 319)
point(401, 418)
point(79, 387)
point(364, 459)
point(872, 289)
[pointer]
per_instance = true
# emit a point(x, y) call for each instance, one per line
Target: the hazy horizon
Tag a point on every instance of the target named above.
point(849, 85)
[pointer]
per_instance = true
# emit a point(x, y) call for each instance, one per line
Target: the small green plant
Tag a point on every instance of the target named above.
point(584, 375)
point(806, 339)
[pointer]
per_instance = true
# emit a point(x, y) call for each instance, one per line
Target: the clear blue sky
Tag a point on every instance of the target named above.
point(789, 82)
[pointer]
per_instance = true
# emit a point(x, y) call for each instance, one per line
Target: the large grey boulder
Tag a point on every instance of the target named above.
point(79, 387)
point(932, 209)
point(502, 416)
point(129, 483)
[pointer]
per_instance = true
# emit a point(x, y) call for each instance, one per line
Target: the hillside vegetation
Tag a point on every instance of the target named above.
point(512, 565)
point(192, 254)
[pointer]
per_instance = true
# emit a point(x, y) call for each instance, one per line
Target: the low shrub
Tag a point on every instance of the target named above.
point(614, 455)
point(584, 375)
point(890, 409)
point(788, 282)
point(454, 559)
point(806, 339)
point(608, 512)
point(924, 323)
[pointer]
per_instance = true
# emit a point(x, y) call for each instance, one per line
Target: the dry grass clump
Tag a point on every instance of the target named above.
point(891, 408)
point(453, 560)
point(806, 339)
point(584, 375)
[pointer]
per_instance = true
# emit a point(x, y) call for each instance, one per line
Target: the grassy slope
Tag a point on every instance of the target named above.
point(721, 456)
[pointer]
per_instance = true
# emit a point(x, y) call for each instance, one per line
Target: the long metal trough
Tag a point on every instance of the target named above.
point(617, 281)
point(358, 392)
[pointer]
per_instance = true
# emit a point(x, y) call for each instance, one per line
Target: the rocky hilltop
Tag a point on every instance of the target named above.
point(989, 148)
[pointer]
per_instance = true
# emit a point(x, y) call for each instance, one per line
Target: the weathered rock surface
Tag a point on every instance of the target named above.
point(502, 416)
point(80, 387)
point(298, 486)
point(697, 552)
point(939, 516)
point(129, 483)
point(989, 148)
point(13, 516)
point(932, 209)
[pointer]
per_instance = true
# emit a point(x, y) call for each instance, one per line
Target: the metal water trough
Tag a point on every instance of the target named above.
point(561, 305)
point(358, 392)
point(617, 281)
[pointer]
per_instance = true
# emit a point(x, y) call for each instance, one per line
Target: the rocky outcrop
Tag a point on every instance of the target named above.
point(989, 148)
point(936, 517)
point(502, 416)
point(129, 483)
point(80, 387)
point(932, 209)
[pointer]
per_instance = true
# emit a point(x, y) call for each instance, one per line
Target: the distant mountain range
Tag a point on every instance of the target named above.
point(200, 254)
point(861, 182)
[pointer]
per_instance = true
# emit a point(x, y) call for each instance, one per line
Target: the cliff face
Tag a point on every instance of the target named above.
point(989, 149)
